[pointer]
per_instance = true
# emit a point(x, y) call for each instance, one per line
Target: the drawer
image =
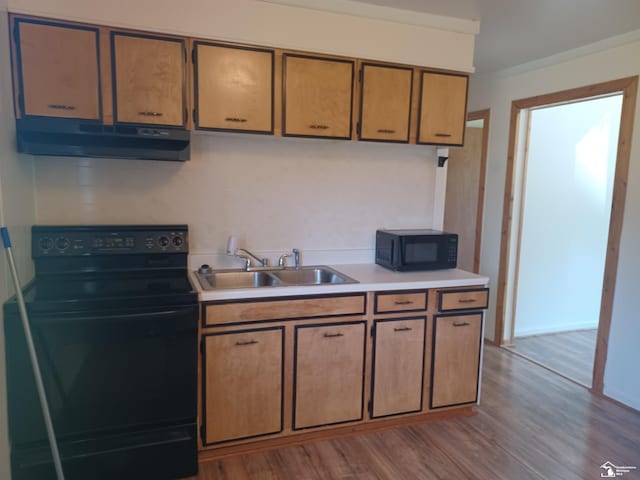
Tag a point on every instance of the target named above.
point(409, 301)
point(467, 299)
point(283, 309)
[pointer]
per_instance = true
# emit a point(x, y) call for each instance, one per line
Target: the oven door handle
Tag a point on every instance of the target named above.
point(120, 315)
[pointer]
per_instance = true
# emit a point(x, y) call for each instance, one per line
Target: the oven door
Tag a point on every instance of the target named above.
point(104, 374)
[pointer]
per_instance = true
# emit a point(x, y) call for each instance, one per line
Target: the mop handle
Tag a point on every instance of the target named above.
point(32, 353)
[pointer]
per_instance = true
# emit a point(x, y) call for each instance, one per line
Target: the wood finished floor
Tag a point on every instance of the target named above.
point(531, 424)
point(570, 353)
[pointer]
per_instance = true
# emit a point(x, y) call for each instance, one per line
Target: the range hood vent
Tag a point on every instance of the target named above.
point(62, 137)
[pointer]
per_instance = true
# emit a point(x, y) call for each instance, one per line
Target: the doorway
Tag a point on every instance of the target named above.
point(507, 301)
point(464, 200)
point(566, 184)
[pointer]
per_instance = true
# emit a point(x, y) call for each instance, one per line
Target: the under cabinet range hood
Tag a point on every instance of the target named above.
point(58, 137)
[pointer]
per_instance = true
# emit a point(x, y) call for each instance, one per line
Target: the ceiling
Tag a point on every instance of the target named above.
point(513, 32)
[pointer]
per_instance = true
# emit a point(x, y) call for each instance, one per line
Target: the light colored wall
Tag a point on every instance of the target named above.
point(405, 39)
point(565, 225)
point(616, 58)
point(17, 212)
point(273, 193)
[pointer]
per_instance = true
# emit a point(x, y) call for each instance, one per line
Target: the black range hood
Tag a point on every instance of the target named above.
point(62, 137)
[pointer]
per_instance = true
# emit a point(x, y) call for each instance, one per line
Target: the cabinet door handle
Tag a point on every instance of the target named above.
point(460, 324)
point(331, 335)
point(235, 119)
point(385, 130)
point(150, 114)
point(402, 329)
point(250, 342)
point(443, 134)
point(467, 300)
point(57, 106)
point(319, 127)
point(403, 302)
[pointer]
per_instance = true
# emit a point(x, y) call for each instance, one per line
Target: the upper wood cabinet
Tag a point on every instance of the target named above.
point(443, 108)
point(385, 103)
point(149, 79)
point(318, 96)
point(57, 69)
point(233, 88)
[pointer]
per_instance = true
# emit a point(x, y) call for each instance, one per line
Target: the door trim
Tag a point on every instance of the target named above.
point(484, 115)
point(629, 88)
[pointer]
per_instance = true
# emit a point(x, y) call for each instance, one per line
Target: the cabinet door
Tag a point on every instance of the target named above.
point(443, 108)
point(456, 359)
point(385, 103)
point(318, 95)
point(242, 382)
point(398, 366)
point(148, 79)
point(329, 374)
point(234, 88)
point(58, 70)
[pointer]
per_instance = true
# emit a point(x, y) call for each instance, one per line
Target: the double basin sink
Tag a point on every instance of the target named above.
point(287, 277)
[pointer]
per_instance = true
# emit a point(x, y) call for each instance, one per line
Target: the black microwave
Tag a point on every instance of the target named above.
point(412, 250)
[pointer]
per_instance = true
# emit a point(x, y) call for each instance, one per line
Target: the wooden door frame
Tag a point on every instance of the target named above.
point(484, 115)
point(628, 87)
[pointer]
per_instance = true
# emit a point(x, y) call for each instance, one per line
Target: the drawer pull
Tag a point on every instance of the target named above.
point(150, 114)
point(467, 300)
point(403, 329)
point(443, 134)
point(235, 119)
point(57, 106)
point(385, 130)
point(403, 302)
point(460, 324)
point(332, 335)
point(250, 342)
point(319, 127)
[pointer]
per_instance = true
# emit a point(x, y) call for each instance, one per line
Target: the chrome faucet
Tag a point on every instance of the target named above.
point(296, 257)
point(282, 261)
point(247, 256)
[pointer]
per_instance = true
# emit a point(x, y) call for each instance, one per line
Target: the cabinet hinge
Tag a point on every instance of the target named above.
point(195, 118)
point(373, 330)
point(370, 407)
point(193, 55)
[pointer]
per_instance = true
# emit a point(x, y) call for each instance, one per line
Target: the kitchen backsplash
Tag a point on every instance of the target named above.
point(272, 193)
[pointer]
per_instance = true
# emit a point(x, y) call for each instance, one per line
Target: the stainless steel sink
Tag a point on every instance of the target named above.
point(311, 275)
point(236, 279)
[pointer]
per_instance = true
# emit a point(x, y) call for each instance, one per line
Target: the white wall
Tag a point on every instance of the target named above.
point(17, 212)
point(273, 193)
point(606, 61)
point(405, 39)
point(565, 223)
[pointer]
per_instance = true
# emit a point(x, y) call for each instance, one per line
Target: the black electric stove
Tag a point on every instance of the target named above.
point(114, 320)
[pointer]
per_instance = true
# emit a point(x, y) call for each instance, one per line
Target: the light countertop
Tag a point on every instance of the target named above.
point(371, 277)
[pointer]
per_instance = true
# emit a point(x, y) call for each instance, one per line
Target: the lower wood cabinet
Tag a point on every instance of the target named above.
point(456, 359)
point(243, 384)
point(398, 366)
point(329, 374)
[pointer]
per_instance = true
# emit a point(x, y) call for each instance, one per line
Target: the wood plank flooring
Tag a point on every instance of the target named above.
point(570, 353)
point(531, 424)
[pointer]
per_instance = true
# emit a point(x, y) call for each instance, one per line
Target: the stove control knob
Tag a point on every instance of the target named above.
point(62, 243)
point(163, 241)
point(46, 244)
point(177, 241)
